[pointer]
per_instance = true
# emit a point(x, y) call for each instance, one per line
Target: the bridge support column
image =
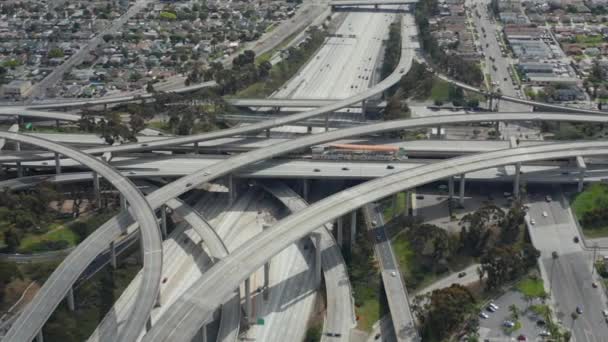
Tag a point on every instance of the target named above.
point(163, 221)
point(462, 184)
point(57, 123)
point(57, 164)
point(149, 323)
point(39, 337)
point(339, 232)
point(196, 147)
point(408, 195)
point(363, 105)
point(19, 170)
point(96, 189)
point(113, 254)
point(516, 180)
point(326, 122)
point(204, 333)
point(438, 132)
point(413, 205)
point(266, 274)
point(123, 202)
point(70, 299)
point(248, 300)
point(305, 188)
point(268, 133)
point(582, 167)
point(232, 193)
point(158, 303)
point(451, 188)
point(353, 227)
point(318, 262)
point(309, 129)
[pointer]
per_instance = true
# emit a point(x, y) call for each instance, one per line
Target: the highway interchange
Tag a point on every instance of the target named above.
point(206, 294)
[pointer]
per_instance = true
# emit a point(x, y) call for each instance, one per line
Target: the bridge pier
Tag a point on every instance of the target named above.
point(339, 232)
point(462, 185)
point(363, 105)
point(96, 189)
point(57, 164)
point(204, 333)
point(582, 168)
point(451, 188)
point(248, 300)
point(266, 273)
point(309, 129)
point(305, 188)
point(123, 202)
point(149, 323)
point(414, 208)
point(163, 221)
point(326, 122)
point(70, 299)
point(516, 180)
point(19, 169)
point(353, 227)
point(318, 274)
point(232, 192)
point(268, 133)
point(395, 200)
point(196, 147)
point(113, 254)
point(57, 123)
point(39, 337)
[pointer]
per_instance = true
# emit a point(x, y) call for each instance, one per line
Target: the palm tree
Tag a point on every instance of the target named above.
point(514, 312)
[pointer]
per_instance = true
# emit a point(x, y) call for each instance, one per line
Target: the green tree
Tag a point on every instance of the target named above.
point(514, 312)
point(137, 123)
point(12, 239)
point(56, 53)
point(150, 88)
point(445, 311)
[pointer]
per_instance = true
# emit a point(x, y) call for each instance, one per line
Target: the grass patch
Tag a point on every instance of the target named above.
point(589, 40)
point(368, 314)
point(595, 197)
point(440, 90)
point(531, 287)
point(36, 243)
point(388, 206)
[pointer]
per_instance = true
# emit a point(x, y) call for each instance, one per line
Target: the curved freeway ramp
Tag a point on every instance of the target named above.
point(184, 318)
point(340, 307)
point(57, 285)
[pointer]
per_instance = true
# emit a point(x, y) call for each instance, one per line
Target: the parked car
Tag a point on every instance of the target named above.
point(462, 274)
point(483, 315)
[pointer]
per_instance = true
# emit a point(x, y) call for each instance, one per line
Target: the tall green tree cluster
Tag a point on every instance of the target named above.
point(418, 82)
point(443, 311)
point(26, 211)
point(392, 51)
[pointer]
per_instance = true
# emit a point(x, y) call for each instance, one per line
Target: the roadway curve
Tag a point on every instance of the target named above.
point(114, 227)
point(36, 313)
point(340, 307)
point(184, 318)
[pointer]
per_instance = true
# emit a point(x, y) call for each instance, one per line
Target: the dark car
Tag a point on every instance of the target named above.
point(576, 239)
point(462, 274)
point(579, 310)
point(390, 167)
point(317, 170)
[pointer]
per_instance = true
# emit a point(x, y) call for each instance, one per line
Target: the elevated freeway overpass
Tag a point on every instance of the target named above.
point(334, 3)
point(180, 323)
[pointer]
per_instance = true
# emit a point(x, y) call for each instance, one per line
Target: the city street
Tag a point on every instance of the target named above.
point(569, 276)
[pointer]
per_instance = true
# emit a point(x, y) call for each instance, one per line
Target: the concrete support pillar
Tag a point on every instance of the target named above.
point(266, 274)
point(451, 187)
point(413, 203)
point(123, 202)
point(363, 105)
point(326, 122)
point(19, 170)
point(113, 254)
point(309, 129)
point(57, 123)
point(57, 164)
point(408, 204)
point(204, 333)
point(96, 189)
point(462, 184)
point(438, 132)
point(516, 180)
point(149, 324)
point(268, 133)
point(196, 147)
point(582, 167)
point(339, 231)
point(231, 189)
point(248, 300)
point(305, 188)
point(353, 227)
point(158, 303)
point(163, 221)
point(70, 299)
point(39, 337)
point(318, 262)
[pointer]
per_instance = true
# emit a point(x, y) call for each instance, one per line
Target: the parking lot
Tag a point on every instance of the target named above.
point(491, 329)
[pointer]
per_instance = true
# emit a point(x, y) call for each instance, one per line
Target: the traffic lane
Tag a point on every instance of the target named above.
point(571, 287)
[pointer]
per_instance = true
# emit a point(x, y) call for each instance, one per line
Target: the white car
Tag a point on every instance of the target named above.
point(496, 307)
point(508, 324)
point(483, 315)
point(394, 274)
point(545, 214)
point(532, 222)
